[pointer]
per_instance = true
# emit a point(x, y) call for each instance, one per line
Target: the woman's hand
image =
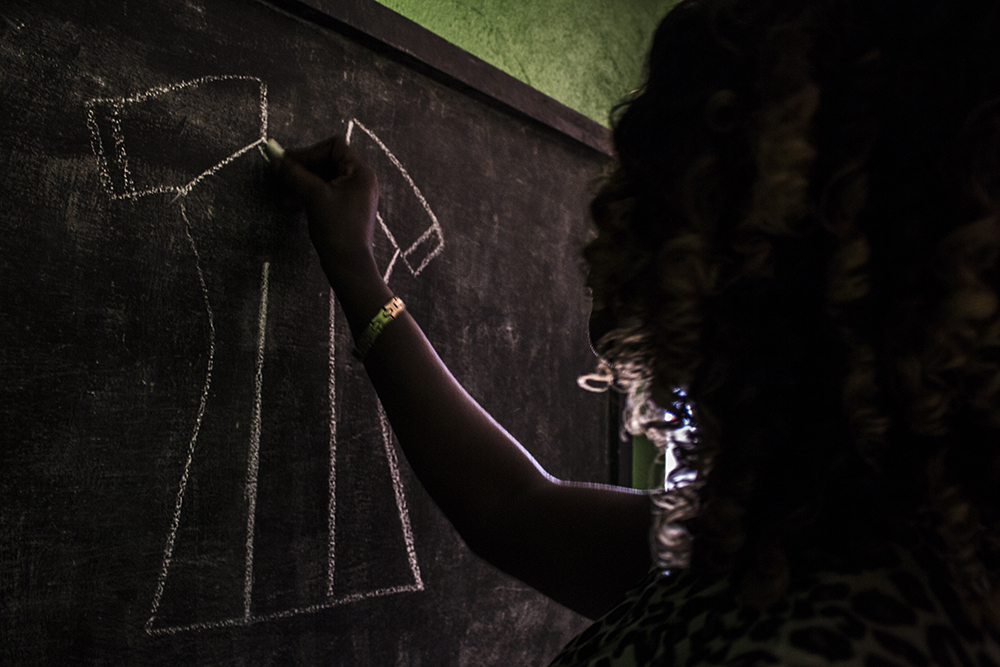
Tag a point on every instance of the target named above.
point(340, 194)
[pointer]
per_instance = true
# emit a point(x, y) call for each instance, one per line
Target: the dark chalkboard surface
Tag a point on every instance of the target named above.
point(194, 470)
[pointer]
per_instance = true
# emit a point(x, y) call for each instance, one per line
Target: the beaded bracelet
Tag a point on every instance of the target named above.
point(387, 314)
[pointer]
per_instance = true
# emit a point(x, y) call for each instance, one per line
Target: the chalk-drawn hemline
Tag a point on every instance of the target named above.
point(287, 613)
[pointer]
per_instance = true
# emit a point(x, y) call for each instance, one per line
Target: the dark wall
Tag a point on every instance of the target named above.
point(194, 470)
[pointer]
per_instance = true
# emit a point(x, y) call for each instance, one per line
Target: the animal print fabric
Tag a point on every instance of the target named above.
point(899, 610)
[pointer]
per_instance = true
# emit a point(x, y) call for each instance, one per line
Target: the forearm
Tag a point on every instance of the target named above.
point(469, 465)
point(583, 545)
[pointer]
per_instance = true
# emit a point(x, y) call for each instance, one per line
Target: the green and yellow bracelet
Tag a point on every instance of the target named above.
point(387, 314)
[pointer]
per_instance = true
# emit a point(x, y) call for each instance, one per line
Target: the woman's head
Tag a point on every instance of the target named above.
point(801, 231)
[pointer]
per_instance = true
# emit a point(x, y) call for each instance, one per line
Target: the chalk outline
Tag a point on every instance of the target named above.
point(332, 519)
point(175, 522)
point(253, 456)
point(435, 227)
point(287, 613)
point(397, 487)
point(401, 507)
point(117, 105)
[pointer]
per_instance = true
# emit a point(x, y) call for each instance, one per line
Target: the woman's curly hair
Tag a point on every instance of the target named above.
point(799, 238)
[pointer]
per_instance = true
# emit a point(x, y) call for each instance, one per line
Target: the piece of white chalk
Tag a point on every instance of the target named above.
point(273, 150)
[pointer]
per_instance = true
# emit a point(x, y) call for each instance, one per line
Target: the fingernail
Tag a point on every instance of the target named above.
point(273, 150)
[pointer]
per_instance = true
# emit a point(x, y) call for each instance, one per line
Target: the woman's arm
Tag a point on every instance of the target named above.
point(583, 545)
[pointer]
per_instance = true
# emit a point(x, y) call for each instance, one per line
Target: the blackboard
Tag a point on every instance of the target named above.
point(194, 470)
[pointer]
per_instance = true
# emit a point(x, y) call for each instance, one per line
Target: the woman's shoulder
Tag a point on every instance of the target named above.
point(896, 607)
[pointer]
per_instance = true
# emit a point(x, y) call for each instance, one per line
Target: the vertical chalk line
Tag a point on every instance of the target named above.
point(182, 486)
point(397, 487)
point(253, 460)
point(116, 132)
point(98, 148)
point(263, 110)
point(332, 389)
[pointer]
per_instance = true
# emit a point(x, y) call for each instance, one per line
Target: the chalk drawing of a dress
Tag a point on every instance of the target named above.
point(133, 166)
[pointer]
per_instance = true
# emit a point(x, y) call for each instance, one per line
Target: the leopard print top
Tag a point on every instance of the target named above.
point(898, 609)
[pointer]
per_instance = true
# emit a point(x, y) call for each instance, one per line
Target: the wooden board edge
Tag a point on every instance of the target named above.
point(380, 27)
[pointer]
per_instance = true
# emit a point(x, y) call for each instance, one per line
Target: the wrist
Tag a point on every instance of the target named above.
point(363, 343)
point(359, 288)
point(343, 268)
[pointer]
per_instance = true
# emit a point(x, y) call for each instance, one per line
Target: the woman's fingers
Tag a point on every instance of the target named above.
point(330, 159)
point(340, 194)
point(305, 183)
point(314, 178)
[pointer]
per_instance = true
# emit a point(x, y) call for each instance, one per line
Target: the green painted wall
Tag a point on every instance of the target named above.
point(587, 54)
